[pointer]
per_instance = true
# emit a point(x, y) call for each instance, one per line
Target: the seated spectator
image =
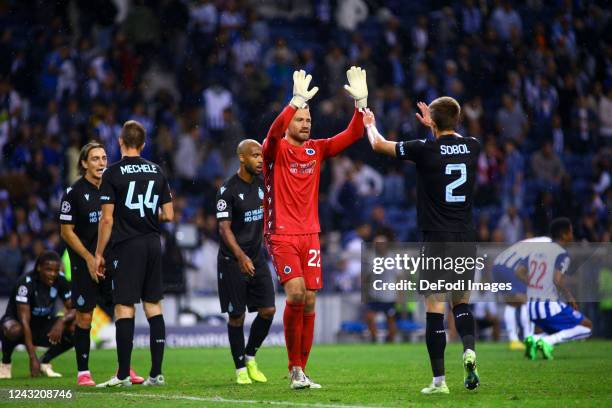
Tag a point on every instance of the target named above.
point(547, 166)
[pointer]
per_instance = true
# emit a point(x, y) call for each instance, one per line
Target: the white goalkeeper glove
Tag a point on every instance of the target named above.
point(357, 86)
point(301, 94)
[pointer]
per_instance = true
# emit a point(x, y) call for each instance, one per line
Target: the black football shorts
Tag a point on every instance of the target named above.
point(444, 256)
point(136, 270)
point(86, 293)
point(238, 291)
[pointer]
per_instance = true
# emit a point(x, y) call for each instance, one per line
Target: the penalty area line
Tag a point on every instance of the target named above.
point(222, 400)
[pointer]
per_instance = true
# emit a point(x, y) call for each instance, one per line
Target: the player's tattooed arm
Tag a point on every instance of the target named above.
point(559, 280)
point(71, 238)
point(244, 262)
point(24, 314)
point(377, 141)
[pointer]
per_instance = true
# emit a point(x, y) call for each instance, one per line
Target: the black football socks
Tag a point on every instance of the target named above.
point(435, 337)
point(259, 331)
point(157, 342)
point(125, 342)
point(464, 321)
point(236, 340)
point(81, 348)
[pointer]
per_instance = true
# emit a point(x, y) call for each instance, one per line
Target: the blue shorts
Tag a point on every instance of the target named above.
point(503, 274)
point(566, 319)
point(387, 308)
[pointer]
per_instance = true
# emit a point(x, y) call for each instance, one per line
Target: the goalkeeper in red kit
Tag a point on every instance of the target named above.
point(292, 167)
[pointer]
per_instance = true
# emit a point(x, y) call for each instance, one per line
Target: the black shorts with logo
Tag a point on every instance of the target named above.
point(86, 293)
point(447, 245)
point(238, 291)
point(136, 270)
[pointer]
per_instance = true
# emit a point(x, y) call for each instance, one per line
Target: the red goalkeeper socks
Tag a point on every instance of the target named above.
point(307, 337)
point(293, 320)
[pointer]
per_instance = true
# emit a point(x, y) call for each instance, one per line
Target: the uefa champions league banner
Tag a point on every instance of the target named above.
point(202, 335)
point(536, 269)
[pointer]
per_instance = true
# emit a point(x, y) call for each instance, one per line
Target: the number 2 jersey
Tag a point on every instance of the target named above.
point(137, 188)
point(446, 171)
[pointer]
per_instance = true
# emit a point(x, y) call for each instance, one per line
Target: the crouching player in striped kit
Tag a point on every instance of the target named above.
point(544, 272)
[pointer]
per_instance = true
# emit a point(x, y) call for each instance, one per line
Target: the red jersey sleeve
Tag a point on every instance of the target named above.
point(277, 131)
point(334, 145)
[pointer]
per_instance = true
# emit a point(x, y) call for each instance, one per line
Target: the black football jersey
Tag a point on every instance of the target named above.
point(29, 290)
point(242, 203)
point(80, 207)
point(446, 172)
point(137, 188)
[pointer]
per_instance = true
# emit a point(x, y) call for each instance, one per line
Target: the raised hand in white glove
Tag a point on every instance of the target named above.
point(357, 86)
point(301, 94)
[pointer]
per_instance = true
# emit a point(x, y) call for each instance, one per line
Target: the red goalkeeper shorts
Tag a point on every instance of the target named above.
point(296, 256)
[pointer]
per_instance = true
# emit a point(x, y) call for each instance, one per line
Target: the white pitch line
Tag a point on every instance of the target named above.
point(230, 401)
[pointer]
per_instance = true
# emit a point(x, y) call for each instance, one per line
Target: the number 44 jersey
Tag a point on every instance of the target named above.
point(446, 172)
point(137, 188)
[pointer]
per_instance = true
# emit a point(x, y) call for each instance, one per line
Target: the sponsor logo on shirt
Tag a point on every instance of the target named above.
point(302, 168)
point(254, 215)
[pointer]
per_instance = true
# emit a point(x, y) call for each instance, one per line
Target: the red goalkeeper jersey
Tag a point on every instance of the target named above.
point(292, 174)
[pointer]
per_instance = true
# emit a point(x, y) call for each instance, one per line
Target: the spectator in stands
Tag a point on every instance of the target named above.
point(547, 166)
point(511, 225)
point(505, 20)
point(511, 120)
point(605, 115)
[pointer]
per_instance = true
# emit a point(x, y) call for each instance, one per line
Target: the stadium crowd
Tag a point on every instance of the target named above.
point(535, 84)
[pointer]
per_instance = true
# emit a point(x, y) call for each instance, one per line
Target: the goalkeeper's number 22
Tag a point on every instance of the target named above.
point(149, 201)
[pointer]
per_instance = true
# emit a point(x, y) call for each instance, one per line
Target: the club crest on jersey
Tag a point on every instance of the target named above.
point(221, 205)
point(66, 207)
point(310, 151)
point(287, 269)
point(87, 197)
point(261, 193)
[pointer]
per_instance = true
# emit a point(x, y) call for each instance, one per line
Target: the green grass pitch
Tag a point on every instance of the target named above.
point(352, 375)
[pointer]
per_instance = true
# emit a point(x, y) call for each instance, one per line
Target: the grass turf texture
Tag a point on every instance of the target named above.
point(364, 375)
